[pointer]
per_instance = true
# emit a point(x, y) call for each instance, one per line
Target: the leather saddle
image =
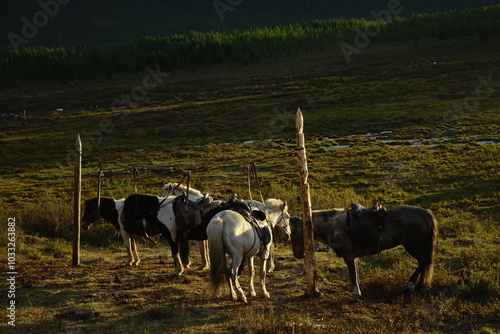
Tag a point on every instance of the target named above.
point(364, 225)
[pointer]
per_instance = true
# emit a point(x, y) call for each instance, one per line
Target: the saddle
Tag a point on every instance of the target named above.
point(192, 217)
point(251, 216)
point(364, 225)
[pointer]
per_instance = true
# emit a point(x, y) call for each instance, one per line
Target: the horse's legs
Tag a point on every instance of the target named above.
point(352, 265)
point(179, 268)
point(251, 274)
point(263, 271)
point(234, 279)
point(423, 262)
point(183, 243)
point(205, 261)
point(134, 252)
point(412, 284)
point(270, 263)
point(232, 292)
point(127, 242)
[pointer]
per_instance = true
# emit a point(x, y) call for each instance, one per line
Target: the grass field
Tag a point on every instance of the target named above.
point(404, 124)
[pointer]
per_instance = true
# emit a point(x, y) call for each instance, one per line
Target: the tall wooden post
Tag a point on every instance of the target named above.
point(310, 257)
point(99, 183)
point(76, 201)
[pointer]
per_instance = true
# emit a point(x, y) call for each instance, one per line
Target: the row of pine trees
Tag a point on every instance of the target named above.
point(193, 50)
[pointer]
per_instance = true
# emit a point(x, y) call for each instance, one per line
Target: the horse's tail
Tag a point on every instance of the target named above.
point(216, 252)
point(430, 244)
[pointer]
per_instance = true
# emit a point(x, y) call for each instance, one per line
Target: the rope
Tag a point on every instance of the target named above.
point(252, 171)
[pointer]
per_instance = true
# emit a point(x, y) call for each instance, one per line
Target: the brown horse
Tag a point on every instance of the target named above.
point(412, 227)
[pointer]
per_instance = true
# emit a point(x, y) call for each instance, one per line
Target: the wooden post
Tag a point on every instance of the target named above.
point(76, 201)
point(135, 175)
point(310, 257)
point(99, 182)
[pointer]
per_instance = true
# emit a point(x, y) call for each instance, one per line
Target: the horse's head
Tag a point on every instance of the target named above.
point(278, 210)
point(175, 189)
point(91, 213)
point(297, 237)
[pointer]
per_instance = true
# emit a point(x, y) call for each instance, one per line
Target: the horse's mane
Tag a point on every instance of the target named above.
point(167, 188)
point(272, 203)
point(94, 199)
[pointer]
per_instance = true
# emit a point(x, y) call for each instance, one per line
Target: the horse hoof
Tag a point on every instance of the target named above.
point(410, 287)
point(177, 273)
point(136, 263)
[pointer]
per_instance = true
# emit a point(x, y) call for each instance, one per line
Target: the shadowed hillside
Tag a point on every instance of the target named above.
point(90, 22)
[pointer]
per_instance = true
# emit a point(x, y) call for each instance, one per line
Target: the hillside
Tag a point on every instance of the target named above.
point(92, 22)
point(196, 50)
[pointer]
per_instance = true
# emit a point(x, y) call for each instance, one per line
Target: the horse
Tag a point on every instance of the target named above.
point(177, 189)
point(276, 209)
point(110, 210)
point(159, 212)
point(410, 226)
point(229, 232)
point(278, 218)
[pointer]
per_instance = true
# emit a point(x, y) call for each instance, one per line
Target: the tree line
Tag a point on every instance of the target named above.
point(197, 49)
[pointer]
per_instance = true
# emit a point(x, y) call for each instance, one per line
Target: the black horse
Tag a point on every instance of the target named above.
point(141, 210)
point(412, 227)
point(110, 210)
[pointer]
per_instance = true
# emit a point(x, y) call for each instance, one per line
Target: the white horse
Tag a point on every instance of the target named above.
point(279, 219)
point(275, 209)
point(229, 232)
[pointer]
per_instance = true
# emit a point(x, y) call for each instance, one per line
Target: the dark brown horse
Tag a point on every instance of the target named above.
point(412, 227)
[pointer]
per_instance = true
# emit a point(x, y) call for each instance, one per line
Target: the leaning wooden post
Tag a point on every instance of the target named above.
point(99, 184)
point(310, 257)
point(76, 201)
